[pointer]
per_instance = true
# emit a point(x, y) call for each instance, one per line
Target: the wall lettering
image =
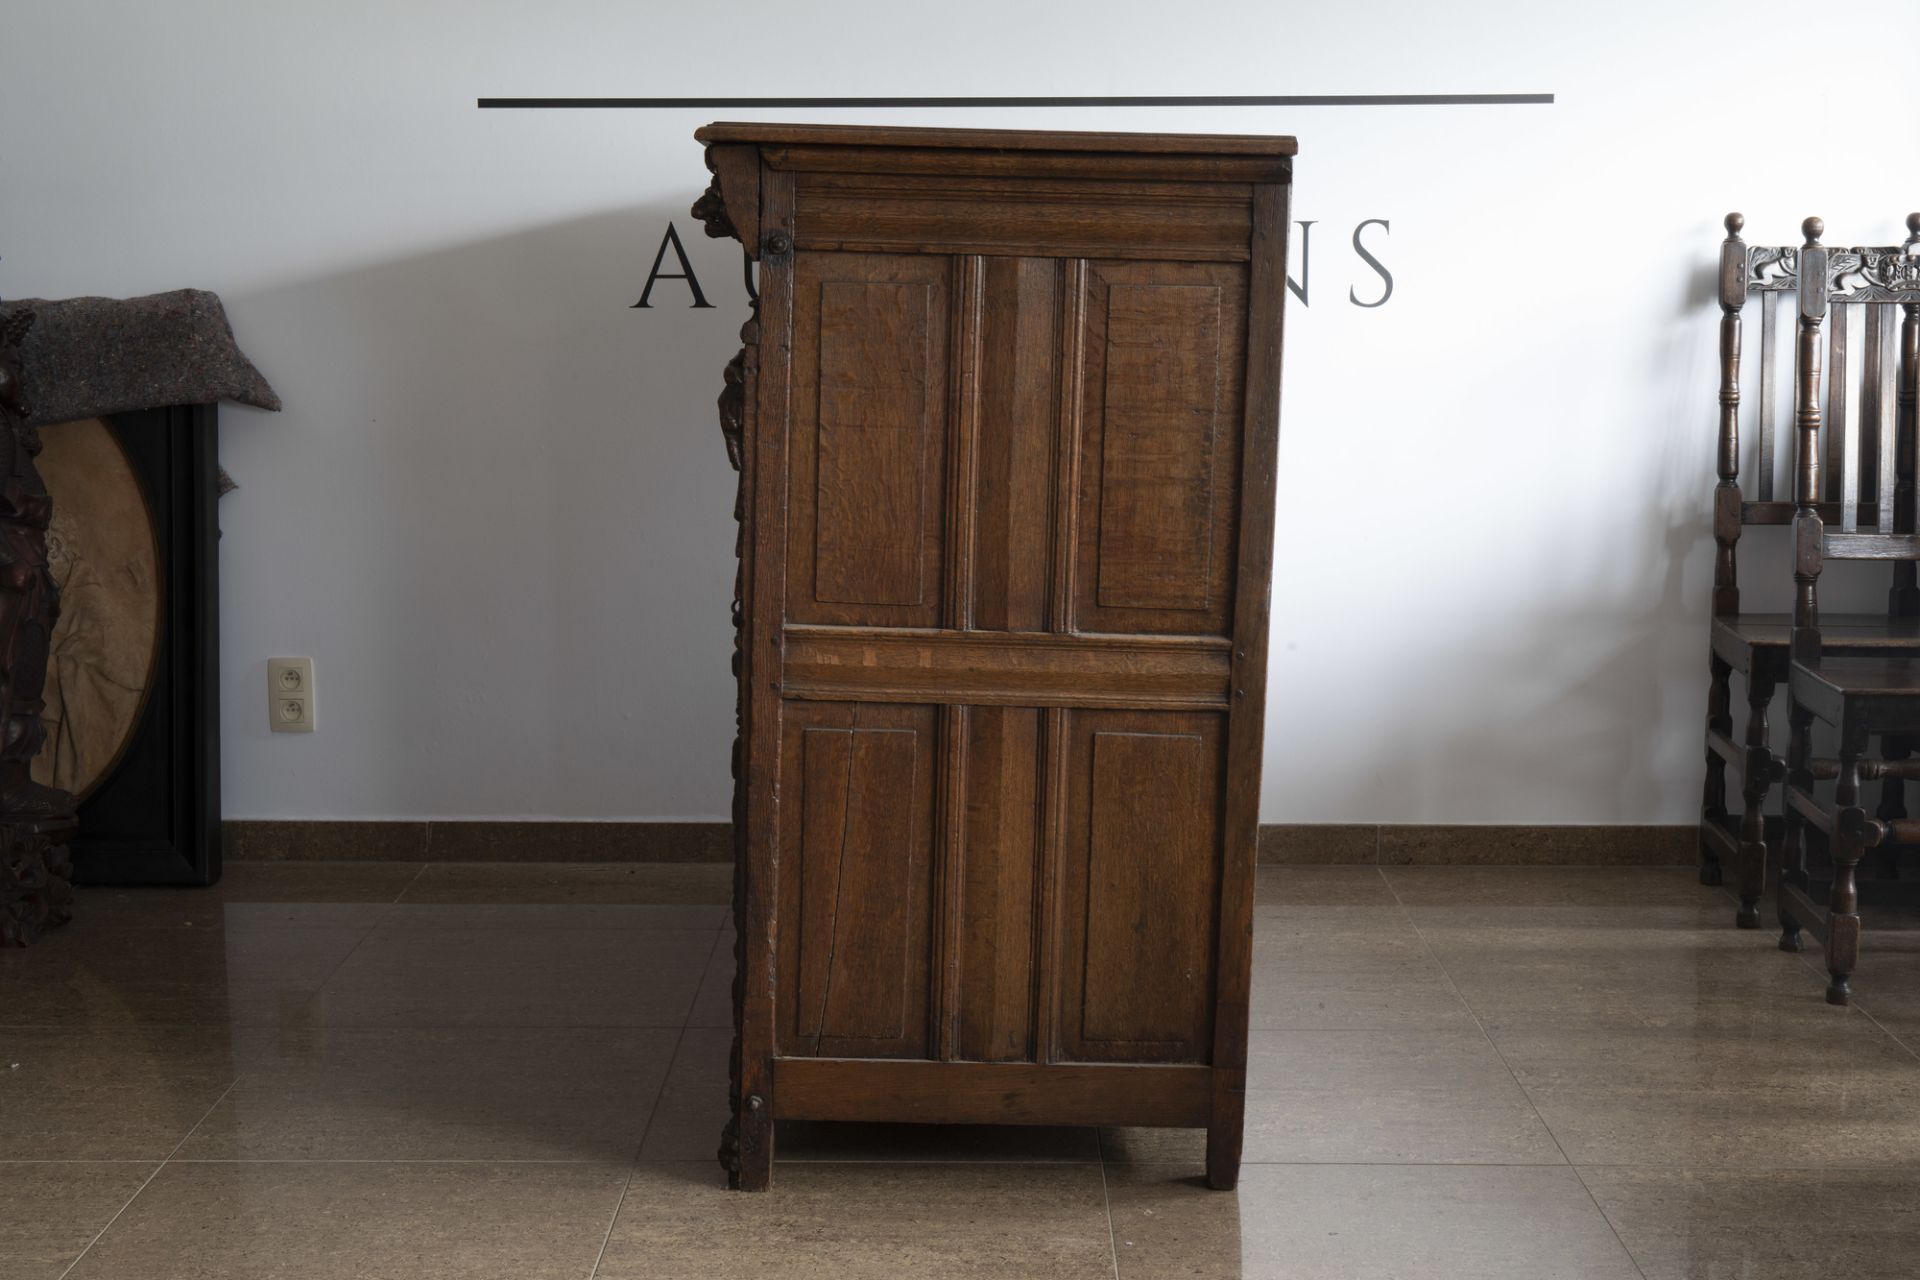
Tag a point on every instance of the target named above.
point(1301, 288)
point(1386, 277)
point(672, 241)
point(1306, 261)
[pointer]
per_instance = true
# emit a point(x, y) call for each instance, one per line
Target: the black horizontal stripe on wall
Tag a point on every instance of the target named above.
point(1123, 100)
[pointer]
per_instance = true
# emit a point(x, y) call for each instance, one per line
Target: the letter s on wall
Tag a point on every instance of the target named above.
point(1386, 277)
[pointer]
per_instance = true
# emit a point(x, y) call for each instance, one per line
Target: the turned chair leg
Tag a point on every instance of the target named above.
point(1713, 798)
point(1893, 804)
point(1850, 841)
point(1792, 864)
point(1756, 783)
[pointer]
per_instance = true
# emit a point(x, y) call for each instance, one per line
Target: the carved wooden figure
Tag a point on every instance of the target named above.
point(1005, 422)
point(1863, 696)
point(1755, 646)
point(36, 822)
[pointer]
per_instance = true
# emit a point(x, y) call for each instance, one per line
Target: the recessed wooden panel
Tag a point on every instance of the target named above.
point(1141, 871)
point(1162, 398)
point(869, 443)
point(999, 852)
point(856, 828)
point(1160, 442)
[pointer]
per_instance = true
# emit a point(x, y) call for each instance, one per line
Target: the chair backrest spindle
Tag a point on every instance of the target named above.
point(1769, 408)
point(1871, 435)
point(1726, 494)
point(1807, 530)
point(1904, 599)
point(1843, 441)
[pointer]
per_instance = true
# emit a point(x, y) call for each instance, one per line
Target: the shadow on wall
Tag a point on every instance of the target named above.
point(498, 513)
point(1556, 704)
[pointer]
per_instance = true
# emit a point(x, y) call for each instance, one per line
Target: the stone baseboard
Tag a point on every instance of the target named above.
point(303, 840)
point(1393, 844)
point(1426, 844)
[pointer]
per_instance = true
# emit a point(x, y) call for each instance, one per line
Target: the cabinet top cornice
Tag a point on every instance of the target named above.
point(1214, 144)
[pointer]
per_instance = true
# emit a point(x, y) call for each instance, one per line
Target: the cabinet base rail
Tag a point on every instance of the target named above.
point(920, 1092)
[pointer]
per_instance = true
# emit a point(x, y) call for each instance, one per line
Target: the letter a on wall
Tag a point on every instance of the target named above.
point(672, 241)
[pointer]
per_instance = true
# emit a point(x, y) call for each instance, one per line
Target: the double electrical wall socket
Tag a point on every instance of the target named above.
point(290, 695)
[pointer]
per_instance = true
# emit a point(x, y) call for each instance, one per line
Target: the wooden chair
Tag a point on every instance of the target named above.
point(1756, 645)
point(1863, 696)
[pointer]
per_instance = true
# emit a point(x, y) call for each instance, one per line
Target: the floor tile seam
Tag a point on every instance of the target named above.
point(554, 1160)
point(7, 1160)
point(1807, 959)
point(1481, 1026)
point(412, 880)
point(666, 1077)
point(148, 1180)
point(574, 930)
point(373, 928)
point(492, 930)
point(619, 1207)
point(1396, 1164)
point(1889, 1032)
point(1604, 1217)
point(1533, 1105)
point(963, 1161)
point(329, 1024)
point(1759, 1166)
point(1113, 1235)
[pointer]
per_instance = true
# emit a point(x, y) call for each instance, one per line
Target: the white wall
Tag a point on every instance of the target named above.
point(496, 509)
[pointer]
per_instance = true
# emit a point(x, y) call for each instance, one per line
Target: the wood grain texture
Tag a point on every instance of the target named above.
point(857, 827)
point(1162, 398)
point(1007, 541)
point(996, 909)
point(1020, 668)
point(990, 1092)
point(1018, 447)
point(1246, 721)
point(893, 213)
point(747, 1146)
point(866, 534)
point(997, 140)
point(1140, 886)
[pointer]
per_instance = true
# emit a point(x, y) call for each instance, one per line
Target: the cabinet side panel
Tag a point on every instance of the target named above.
point(1161, 387)
point(1002, 845)
point(869, 437)
point(857, 827)
point(1142, 872)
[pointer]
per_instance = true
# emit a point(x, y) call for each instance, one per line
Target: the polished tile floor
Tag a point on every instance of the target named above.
point(381, 1070)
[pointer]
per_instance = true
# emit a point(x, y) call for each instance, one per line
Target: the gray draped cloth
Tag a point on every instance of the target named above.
point(89, 357)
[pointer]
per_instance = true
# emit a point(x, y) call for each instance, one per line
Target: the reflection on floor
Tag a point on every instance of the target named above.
point(461, 1070)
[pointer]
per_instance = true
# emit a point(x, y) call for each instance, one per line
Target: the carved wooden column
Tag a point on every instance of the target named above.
point(36, 822)
point(743, 1128)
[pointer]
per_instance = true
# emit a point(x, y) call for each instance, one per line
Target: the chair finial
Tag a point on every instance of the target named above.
point(1913, 227)
point(1734, 223)
point(1813, 229)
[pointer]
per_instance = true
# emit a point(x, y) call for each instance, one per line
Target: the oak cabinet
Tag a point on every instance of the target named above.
point(1006, 422)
